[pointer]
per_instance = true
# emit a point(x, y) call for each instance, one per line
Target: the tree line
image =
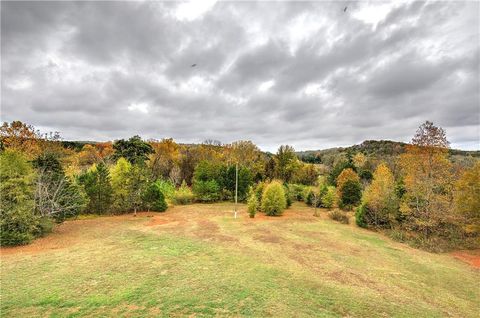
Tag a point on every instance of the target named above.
point(421, 195)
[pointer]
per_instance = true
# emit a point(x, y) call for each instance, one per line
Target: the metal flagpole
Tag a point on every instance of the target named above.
point(236, 188)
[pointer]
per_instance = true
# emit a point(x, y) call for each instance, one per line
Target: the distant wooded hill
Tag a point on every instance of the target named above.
point(374, 148)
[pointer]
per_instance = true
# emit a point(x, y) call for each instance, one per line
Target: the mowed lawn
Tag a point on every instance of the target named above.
point(197, 260)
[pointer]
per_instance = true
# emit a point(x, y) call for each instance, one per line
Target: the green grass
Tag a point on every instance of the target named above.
point(200, 261)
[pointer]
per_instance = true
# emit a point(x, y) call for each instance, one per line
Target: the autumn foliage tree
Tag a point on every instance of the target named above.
point(467, 199)
point(165, 158)
point(20, 137)
point(379, 200)
point(427, 202)
point(349, 189)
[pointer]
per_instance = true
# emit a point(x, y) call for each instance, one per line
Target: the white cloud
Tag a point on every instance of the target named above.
point(139, 107)
point(194, 9)
point(265, 86)
point(372, 12)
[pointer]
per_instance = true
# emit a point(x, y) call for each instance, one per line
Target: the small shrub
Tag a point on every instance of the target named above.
point(308, 196)
point(273, 199)
point(288, 198)
point(167, 188)
point(365, 175)
point(259, 190)
point(183, 195)
point(297, 191)
point(329, 198)
point(252, 204)
point(360, 216)
point(339, 216)
point(45, 225)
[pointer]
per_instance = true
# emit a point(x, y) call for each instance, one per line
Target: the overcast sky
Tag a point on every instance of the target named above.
point(308, 74)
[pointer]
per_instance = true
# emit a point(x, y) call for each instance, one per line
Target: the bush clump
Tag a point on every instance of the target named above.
point(297, 191)
point(259, 190)
point(154, 199)
point(252, 204)
point(167, 188)
point(361, 216)
point(274, 199)
point(329, 198)
point(183, 195)
point(339, 216)
point(45, 226)
point(288, 197)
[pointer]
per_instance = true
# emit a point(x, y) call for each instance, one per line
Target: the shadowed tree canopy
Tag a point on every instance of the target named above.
point(135, 150)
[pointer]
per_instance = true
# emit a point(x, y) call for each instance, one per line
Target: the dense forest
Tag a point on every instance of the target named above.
point(422, 193)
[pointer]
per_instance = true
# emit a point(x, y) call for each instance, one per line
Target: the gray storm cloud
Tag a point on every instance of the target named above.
point(303, 73)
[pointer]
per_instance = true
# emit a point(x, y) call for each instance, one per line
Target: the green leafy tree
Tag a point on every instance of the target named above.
point(350, 194)
point(286, 163)
point(154, 199)
point(120, 174)
point(137, 183)
point(244, 181)
point(135, 150)
point(18, 223)
point(167, 187)
point(206, 191)
point(208, 180)
point(98, 188)
point(273, 199)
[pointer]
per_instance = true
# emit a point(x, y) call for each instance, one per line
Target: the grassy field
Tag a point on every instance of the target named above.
point(198, 260)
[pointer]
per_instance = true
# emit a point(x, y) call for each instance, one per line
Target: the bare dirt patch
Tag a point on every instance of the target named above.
point(268, 238)
point(211, 231)
point(471, 257)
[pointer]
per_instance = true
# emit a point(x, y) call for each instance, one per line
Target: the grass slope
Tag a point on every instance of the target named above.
point(197, 260)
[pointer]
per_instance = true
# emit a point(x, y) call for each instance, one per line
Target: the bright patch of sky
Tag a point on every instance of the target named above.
point(139, 107)
point(265, 86)
point(194, 9)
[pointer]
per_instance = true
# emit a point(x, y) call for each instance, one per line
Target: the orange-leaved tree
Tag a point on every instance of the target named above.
point(21, 137)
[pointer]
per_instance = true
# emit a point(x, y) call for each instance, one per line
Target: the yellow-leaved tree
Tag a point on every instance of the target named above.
point(380, 198)
point(467, 198)
point(119, 174)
